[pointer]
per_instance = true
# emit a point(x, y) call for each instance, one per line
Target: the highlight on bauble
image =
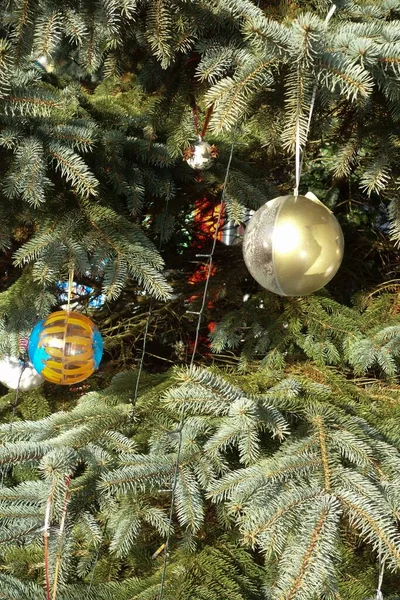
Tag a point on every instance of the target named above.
point(200, 156)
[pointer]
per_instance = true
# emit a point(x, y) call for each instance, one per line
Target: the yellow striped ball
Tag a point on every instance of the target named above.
point(65, 347)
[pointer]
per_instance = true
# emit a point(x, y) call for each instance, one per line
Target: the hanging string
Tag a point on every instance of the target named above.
point(70, 285)
point(203, 131)
point(16, 398)
point(68, 310)
point(41, 302)
point(379, 595)
point(142, 357)
point(299, 156)
point(207, 121)
point(46, 536)
point(298, 145)
point(200, 314)
point(196, 118)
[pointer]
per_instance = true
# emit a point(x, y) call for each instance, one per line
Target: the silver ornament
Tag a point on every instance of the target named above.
point(201, 157)
point(293, 245)
point(43, 63)
point(14, 374)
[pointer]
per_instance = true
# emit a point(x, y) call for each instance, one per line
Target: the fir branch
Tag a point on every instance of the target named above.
point(231, 96)
point(373, 525)
point(302, 573)
point(324, 456)
point(337, 72)
point(74, 170)
point(5, 66)
point(47, 36)
point(159, 30)
point(28, 174)
point(35, 102)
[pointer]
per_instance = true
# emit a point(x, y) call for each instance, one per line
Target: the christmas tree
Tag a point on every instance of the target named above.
point(234, 443)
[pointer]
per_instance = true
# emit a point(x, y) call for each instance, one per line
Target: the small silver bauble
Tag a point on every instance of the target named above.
point(15, 374)
point(201, 158)
point(293, 245)
point(43, 63)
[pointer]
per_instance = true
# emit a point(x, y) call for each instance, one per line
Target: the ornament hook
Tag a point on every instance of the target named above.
point(70, 284)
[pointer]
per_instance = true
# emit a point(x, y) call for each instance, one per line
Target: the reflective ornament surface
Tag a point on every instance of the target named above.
point(43, 63)
point(293, 245)
point(66, 347)
point(200, 156)
point(14, 373)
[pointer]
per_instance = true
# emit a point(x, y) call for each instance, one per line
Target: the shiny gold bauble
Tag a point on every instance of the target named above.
point(293, 245)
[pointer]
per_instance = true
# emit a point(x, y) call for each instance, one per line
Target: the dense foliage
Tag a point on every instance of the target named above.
point(289, 453)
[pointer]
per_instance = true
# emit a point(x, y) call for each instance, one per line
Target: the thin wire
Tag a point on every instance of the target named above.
point(146, 329)
point(214, 245)
point(139, 375)
point(96, 560)
point(14, 410)
point(40, 307)
point(300, 155)
point(194, 351)
point(312, 104)
point(60, 537)
point(143, 354)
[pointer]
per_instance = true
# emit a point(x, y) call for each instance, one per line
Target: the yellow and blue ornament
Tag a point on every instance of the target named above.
point(65, 347)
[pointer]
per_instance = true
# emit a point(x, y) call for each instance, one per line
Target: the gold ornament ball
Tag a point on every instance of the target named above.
point(293, 245)
point(65, 347)
point(201, 158)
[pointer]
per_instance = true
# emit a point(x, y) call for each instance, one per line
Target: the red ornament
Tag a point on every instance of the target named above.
point(206, 213)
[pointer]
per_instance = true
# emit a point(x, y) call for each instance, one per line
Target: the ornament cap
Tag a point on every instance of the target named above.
point(314, 198)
